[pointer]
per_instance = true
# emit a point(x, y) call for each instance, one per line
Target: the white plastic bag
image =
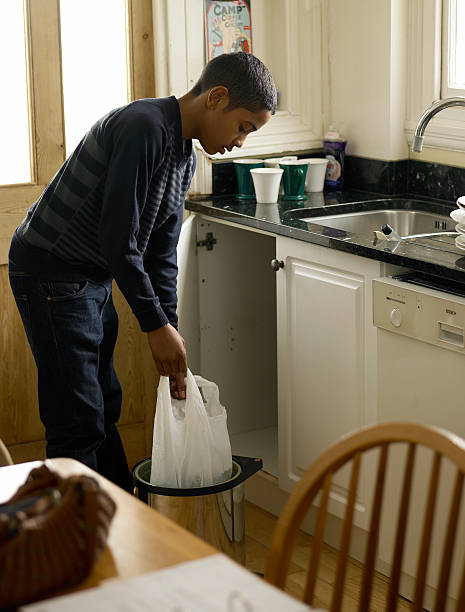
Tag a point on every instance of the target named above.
point(191, 446)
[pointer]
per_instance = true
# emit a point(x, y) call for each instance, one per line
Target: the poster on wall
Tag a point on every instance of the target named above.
point(228, 27)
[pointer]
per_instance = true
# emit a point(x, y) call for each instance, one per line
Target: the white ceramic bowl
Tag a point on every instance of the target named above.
point(458, 215)
point(460, 242)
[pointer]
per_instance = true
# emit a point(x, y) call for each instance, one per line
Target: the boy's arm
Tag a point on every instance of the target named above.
point(137, 152)
point(160, 262)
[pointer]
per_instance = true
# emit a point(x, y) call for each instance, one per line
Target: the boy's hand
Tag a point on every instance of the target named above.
point(178, 386)
point(169, 354)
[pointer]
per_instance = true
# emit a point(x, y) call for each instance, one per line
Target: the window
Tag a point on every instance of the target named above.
point(95, 73)
point(435, 69)
point(15, 165)
point(43, 86)
point(453, 49)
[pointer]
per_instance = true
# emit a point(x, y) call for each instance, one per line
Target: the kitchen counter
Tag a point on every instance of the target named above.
point(436, 256)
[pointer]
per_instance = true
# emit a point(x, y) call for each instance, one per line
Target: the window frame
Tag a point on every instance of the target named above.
point(447, 129)
point(448, 9)
point(45, 96)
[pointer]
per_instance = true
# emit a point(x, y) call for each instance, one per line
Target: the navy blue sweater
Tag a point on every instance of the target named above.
point(114, 209)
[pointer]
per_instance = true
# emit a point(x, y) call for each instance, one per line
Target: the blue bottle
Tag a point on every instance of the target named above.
point(334, 146)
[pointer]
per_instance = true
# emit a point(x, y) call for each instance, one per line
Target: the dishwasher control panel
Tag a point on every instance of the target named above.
point(425, 314)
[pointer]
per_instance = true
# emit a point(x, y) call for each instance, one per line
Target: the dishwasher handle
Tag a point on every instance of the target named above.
point(450, 334)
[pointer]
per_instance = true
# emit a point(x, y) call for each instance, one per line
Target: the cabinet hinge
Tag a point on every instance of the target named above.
point(209, 241)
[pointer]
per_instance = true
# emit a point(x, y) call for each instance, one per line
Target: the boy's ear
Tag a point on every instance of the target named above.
point(218, 98)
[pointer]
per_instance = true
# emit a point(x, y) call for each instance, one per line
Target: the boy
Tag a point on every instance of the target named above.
point(114, 211)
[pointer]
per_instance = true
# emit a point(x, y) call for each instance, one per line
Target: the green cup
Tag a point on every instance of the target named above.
point(245, 188)
point(294, 179)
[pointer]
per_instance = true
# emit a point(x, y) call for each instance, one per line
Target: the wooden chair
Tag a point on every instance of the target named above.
point(5, 457)
point(318, 478)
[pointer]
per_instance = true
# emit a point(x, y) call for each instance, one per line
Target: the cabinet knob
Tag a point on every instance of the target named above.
point(276, 264)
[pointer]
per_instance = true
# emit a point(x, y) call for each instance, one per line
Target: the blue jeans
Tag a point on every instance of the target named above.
point(72, 328)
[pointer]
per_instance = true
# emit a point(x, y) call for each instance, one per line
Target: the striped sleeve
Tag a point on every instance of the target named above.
point(136, 152)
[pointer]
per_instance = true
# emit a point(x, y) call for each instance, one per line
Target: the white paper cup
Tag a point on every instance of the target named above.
point(316, 172)
point(273, 162)
point(266, 183)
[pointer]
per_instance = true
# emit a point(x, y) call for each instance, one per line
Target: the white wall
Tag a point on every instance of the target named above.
point(353, 57)
point(367, 68)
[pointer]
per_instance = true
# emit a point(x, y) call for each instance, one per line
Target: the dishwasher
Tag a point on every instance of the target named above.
point(420, 324)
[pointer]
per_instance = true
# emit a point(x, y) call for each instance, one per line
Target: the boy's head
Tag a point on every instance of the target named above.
point(240, 97)
point(248, 81)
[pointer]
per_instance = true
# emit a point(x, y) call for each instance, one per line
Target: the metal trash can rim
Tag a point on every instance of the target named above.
point(243, 468)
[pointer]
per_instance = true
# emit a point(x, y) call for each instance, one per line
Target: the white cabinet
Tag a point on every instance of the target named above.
point(326, 358)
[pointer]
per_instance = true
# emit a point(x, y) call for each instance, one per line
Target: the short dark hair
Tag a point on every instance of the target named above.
point(248, 80)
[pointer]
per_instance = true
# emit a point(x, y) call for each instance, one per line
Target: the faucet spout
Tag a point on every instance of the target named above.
point(429, 113)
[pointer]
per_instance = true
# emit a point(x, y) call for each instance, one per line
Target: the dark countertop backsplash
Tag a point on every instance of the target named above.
point(368, 184)
point(382, 177)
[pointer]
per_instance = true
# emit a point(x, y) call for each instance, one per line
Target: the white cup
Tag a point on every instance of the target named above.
point(266, 183)
point(316, 172)
point(273, 162)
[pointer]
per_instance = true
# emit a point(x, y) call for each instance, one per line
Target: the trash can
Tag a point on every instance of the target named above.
point(215, 513)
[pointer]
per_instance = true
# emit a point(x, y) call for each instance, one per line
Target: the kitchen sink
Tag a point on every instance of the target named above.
point(405, 222)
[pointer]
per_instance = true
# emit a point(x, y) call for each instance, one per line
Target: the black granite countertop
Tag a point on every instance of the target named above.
point(437, 256)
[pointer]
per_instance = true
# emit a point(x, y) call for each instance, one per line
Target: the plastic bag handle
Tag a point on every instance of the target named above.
point(194, 399)
point(164, 391)
point(193, 394)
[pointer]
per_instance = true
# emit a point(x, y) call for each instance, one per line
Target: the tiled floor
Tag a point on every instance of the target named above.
point(259, 529)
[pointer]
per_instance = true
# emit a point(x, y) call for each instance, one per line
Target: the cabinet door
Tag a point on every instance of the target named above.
point(326, 358)
point(188, 291)
point(227, 317)
point(238, 323)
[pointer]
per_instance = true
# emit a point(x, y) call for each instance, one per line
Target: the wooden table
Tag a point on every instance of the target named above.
point(140, 539)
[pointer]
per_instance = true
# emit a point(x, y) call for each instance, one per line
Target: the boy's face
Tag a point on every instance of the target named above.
point(224, 129)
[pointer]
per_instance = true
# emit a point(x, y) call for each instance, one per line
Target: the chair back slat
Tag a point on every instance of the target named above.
point(449, 543)
point(5, 457)
point(423, 556)
point(401, 530)
point(345, 538)
point(317, 540)
point(461, 598)
point(370, 556)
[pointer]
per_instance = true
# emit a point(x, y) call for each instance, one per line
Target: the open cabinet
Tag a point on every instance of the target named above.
point(227, 316)
point(292, 350)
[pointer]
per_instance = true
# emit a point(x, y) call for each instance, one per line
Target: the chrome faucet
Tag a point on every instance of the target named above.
point(435, 108)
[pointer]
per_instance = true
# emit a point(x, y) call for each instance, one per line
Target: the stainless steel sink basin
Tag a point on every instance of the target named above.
point(405, 222)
